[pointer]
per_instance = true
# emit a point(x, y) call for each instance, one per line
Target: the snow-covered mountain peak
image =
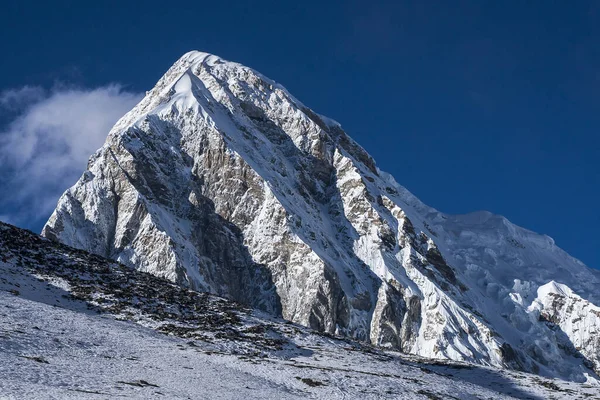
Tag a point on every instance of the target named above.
point(195, 57)
point(555, 288)
point(221, 180)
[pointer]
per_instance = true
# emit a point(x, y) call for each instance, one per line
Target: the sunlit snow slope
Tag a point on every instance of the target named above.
point(76, 326)
point(222, 181)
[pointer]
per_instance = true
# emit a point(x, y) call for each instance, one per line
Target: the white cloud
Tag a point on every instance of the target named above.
point(46, 147)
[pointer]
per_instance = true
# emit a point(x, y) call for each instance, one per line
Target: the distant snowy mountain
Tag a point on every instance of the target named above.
point(76, 326)
point(221, 181)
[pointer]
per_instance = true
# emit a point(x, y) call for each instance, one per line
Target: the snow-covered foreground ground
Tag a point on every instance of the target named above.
point(77, 326)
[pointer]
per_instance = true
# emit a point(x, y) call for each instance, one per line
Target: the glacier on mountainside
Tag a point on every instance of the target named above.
point(222, 181)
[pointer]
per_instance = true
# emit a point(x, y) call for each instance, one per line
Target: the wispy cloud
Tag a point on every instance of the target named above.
point(45, 147)
point(16, 99)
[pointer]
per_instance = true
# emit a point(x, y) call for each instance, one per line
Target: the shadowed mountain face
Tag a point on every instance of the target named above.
point(220, 180)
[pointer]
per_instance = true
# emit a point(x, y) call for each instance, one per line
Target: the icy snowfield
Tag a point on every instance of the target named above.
point(74, 325)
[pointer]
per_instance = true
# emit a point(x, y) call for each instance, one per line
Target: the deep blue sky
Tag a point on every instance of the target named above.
point(470, 104)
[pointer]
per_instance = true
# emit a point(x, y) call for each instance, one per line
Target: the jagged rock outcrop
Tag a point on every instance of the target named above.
point(575, 323)
point(220, 180)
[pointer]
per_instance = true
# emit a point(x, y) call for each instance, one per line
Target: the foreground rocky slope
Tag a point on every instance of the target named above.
point(221, 181)
point(66, 331)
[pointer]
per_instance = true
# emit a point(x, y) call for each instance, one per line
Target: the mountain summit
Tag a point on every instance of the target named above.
point(220, 180)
